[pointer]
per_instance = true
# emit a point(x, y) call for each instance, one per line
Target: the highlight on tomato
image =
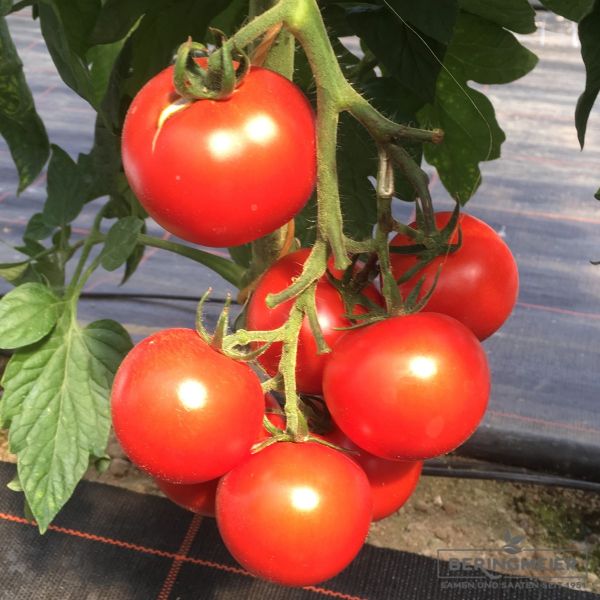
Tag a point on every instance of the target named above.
point(330, 312)
point(221, 172)
point(184, 412)
point(478, 283)
point(408, 388)
point(294, 513)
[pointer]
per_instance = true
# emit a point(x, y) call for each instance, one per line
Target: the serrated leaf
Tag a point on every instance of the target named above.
point(472, 135)
point(574, 10)
point(27, 314)
point(415, 61)
point(37, 228)
point(121, 240)
point(434, 18)
point(485, 52)
point(56, 397)
point(516, 15)
point(589, 35)
point(65, 189)
point(20, 125)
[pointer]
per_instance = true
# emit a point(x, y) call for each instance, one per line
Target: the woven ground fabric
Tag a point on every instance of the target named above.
point(111, 544)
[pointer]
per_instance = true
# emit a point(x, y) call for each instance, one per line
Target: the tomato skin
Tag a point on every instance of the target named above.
point(330, 311)
point(478, 283)
point(182, 411)
point(294, 513)
point(197, 497)
point(408, 388)
point(222, 173)
point(200, 497)
point(392, 481)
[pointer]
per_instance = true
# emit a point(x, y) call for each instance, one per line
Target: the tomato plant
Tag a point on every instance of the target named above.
point(409, 387)
point(477, 284)
point(182, 411)
point(330, 313)
point(222, 173)
point(295, 514)
point(392, 481)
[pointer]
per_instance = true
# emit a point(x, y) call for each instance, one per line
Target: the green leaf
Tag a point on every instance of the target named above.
point(415, 61)
point(516, 15)
point(56, 399)
point(357, 161)
point(13, 272)
point(20, 125)
point(597, 194)
point(117, 17)
point(133, 261)
point(101, 60)
point(434, 18)
point(37, 228)
point(241, 255)
point(15, 485)
point(27, 314)
point(472, 135)
point(120, 242)
point(66, 25)
point(5, 7)
point(485, 52)
point(574, 10)
point(589, 35)
point(65, 189)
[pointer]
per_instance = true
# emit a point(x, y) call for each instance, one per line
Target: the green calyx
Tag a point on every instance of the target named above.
point(215, 81)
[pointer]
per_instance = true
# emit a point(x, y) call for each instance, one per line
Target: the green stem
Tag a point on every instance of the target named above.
point(227, 269)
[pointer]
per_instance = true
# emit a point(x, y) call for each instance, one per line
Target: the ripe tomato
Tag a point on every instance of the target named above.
point(330, 311)
point(200, 497)
point(182, 411)
point(408, 388)
point(197, 497)
point(222, 173)
point(295, 514)
point(392, 481)
point(478, 283)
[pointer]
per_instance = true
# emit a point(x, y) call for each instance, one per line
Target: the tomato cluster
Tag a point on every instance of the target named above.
point(294, 507)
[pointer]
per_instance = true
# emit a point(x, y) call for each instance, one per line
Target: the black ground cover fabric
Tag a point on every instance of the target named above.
point(112, 544)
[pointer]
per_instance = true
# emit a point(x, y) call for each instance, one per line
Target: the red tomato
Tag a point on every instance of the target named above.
point(478, 283)
point(295, 514)
point(182, 411)
point(200, 497)
point(408, 388)
point(330, 310)
point(226, 172)
point(197, 497)
point(392, 481)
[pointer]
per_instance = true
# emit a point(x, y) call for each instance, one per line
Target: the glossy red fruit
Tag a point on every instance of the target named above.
point(408, 388)
point(392, 481)
point(182, 411)
point(478, 283)
point(295, 514)
point(197, 497)
point(200, 497)
point(226, 172)
point(330, 311)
